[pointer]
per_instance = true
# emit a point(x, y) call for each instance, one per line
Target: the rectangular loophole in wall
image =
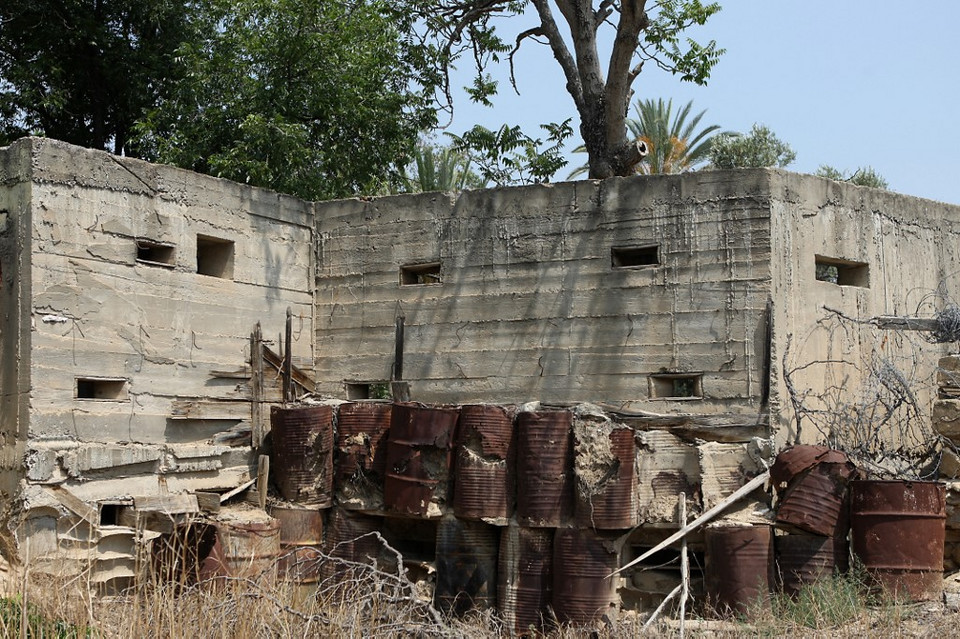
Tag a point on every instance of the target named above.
point(676, 386)
point(368, 390)
point(635, 256)
point(214, 257)
point(103, 388)
point(156, 253)
point(843, 272)
point(110, 513)
point(420, 274)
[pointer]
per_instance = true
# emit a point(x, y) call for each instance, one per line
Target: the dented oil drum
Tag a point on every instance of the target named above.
point(418, 459)
point(301, 543)
point(802, 560)
point(582, 560)
point(362, 429)
point(897, 531)
point(816, 499)
point(250, 549)
point(739, 563)
point(351, 540)
point(607, 488)
point(302, 465)
point(525, 578)
point(484, 482)
point(544, 468)
point(466, 563)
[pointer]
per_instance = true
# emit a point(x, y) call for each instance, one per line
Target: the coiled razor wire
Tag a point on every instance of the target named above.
point(947, 327)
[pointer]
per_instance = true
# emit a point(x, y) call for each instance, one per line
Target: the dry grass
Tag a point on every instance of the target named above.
point(366, 601)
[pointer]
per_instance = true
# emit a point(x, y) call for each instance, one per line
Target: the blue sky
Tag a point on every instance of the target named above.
point(844, 82)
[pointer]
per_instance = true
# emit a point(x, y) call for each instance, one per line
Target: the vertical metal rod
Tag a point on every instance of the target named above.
point(288, 359)
point(398, 352)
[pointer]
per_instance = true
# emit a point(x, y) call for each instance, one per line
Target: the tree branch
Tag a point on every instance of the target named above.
point(559, 48)
point(529, 33)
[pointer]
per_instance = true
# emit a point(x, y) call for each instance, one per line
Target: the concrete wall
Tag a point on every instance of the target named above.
point(15, 285)
point(168, 346)
point(911, 249)
point(530, 306)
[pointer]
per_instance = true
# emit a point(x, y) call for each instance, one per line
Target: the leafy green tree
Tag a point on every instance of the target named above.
point(510, 156)
point(316, 99)
point(863, 176)
point(83, 71)
point(759, 148)
point(642, 32)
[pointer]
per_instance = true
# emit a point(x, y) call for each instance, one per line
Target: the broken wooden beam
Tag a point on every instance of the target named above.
point(737, 495)
point(895, 323)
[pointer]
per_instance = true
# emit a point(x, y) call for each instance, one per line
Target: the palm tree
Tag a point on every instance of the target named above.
point(674, 142)
point(439, 169)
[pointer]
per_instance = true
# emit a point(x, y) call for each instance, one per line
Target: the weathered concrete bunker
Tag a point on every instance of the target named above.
point(697, 310)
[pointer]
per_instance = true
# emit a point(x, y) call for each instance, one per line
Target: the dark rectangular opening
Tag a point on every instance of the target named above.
point(107, 388)
point(110, 514)
point(842, 272)
point(676, 386)
point(634, 256)
point(214, 257)
point(155, 253)
point(420, 274)
point(368, 390)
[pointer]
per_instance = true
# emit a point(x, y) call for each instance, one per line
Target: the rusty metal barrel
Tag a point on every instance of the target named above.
point(301, 543)
point(350, 540)
point(544, 468)
point(466, 563)
point(582, 561)
point(897, 532)
point(739, 563)
point(525, 577)
point(302, 465)
point(250, 549)
point(418, 459)
point(813, 482)
point(362, 429)
point(484, 481)
point(609, 501)
point(802, 560)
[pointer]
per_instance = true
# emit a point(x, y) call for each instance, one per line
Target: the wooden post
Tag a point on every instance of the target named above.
point(288, 360)
point(684, 565)
point(256, 387)
point(263, 474)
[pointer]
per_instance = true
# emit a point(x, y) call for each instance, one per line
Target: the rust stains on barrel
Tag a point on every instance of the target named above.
point(812, 482)
point(301, 540)
point(418, 459)
point(250, 549)
point(303, 453)
point(525, 577)
point(466, 563)
point(897, 532)
point(544, 468)
point(484, 481)
point(582, 561)
point(611, 503)
point(739, 563)
point(803, 559)
point(351, 539)
point(362, 429)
